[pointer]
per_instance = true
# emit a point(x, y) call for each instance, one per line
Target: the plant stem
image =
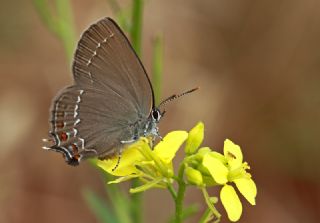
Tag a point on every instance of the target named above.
point(136, 203)
point(66, 27)
point(136, 29)
point(172, 191)
point(135, 34)
point(211, 205)
point(180, 195)
point(157, 67)
point(45, 14)
point(61, 24)
point(206, 217)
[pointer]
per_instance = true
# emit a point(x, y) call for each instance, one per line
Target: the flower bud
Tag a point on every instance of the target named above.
point(195, 139)
point(193, 176)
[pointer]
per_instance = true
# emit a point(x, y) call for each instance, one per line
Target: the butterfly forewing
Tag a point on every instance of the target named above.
point(104, 60)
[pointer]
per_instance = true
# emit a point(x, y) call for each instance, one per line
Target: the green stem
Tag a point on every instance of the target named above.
point(172, 191)
point(180, 195)
point(66, 27)
point(206, 217)
point(136, 29)
point(136, 203)
point(157, 67)
point(210, 204)
point(135, 34)
point(61, 24)
point(45, 14)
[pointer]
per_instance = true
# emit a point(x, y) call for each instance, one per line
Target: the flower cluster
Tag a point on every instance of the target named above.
point(209, 168)
point(153, 167)
point(201, 167)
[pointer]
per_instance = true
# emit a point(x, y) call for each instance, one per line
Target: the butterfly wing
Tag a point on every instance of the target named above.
point(111, 92)
point(105, 60)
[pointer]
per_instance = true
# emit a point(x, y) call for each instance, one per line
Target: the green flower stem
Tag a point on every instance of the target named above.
point(61, 24)
point(44, 12)
point(98, 206)
point(136, 203)
point(66, 27)
point(136, 29)
point(172, 191)
point(210, 204)
point(180, 196)
point(157, 67)
point(206, 217)
point(120, 204)
point(135, 34)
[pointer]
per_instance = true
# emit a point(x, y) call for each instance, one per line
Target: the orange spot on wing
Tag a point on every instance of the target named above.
point(63, 136)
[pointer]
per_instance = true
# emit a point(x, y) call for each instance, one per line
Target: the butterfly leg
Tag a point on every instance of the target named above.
point(118, 161)
point(158, 134)
point(155, 132)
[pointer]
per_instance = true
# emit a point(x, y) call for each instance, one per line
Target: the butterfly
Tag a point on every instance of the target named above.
point(111, 103)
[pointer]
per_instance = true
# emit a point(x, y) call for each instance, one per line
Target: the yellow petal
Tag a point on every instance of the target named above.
point(231, 202)
point(218, 171)
point(128, 159)
point(195, 138)
point(218, 156)
point(247, 188)
point(233, 154)
point(167, 148)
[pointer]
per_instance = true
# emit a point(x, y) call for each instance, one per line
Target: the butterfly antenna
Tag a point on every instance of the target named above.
point(175, 96)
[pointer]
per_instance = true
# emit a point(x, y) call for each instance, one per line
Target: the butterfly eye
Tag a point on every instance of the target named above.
point(156, 115)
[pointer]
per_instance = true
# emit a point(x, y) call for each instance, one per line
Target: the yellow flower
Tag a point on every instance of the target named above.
point(201, 167)
point(227, 169)
point(153, 167)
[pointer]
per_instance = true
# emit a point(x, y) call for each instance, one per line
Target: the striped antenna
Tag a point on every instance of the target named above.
point(175, 96)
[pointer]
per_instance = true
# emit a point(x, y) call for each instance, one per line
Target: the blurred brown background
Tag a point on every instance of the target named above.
point(258, 66)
